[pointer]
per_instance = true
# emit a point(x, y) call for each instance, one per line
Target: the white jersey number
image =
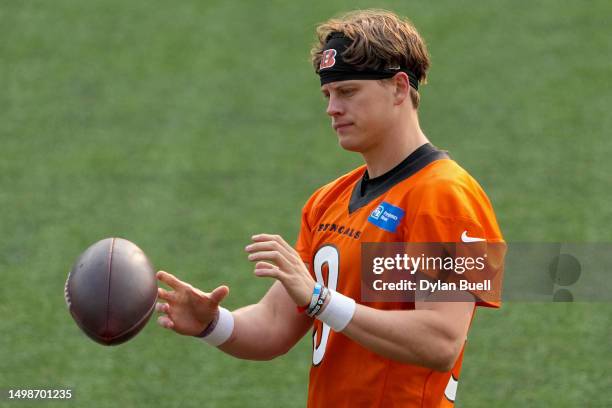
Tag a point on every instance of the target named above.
point(326, 255)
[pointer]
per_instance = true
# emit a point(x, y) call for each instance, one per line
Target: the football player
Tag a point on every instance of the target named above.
point(365, 354)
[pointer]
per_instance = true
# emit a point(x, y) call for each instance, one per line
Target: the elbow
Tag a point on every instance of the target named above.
point(441, 357)
point(257, 356)
point(284, 349)
point(264, 357)
point(273, 353)
point(442, 365)
point(447, 356)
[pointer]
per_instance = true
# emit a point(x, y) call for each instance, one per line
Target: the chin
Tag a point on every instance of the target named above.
point(352, 143)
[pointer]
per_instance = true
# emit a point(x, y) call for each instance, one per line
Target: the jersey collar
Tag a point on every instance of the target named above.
point(367, 189)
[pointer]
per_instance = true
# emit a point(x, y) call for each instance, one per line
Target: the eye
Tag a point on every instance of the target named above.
point(346, 91)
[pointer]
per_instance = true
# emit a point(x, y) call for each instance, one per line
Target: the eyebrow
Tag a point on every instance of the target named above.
point(339, 87)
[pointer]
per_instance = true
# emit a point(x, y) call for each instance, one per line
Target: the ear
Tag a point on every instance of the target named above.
point(401, 84)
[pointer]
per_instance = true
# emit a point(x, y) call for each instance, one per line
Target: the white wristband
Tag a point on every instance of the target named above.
point(223, 330)
point(338, 312)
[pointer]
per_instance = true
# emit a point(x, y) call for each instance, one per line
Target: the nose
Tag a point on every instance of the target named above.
point(334, 107)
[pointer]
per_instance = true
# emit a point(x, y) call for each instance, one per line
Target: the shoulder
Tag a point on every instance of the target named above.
point(446, 174)
point(446, 201)
point(445, 188)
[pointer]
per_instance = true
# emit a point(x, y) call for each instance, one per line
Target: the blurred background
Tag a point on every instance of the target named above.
point(188, 126)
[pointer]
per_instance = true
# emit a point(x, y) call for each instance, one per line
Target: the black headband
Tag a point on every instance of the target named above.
point(333, 68)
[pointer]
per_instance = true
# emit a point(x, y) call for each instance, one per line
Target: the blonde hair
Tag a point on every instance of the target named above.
point(381, 39)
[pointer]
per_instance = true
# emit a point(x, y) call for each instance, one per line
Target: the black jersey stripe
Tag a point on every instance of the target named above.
point(366, 189)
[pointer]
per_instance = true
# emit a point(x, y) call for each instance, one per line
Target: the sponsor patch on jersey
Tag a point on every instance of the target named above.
point(386, 216)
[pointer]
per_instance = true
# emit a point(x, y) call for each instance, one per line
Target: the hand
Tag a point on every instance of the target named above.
point(188, 310)
point(277, 259)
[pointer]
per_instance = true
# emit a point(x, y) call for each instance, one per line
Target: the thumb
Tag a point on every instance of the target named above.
point(217, 295)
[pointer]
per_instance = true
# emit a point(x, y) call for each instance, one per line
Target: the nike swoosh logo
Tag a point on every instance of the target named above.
point(465, 238)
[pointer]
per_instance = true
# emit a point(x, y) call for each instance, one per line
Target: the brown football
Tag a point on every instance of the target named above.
point(111, 291)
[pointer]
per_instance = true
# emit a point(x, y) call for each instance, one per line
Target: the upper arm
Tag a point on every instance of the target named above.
point(287, 323)
point(452, 318)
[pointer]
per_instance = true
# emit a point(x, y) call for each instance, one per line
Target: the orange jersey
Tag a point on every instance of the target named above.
point(434, 200)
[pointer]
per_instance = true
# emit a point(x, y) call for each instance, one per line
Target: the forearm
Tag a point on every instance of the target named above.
point(419, 337)
point(261, 333)
point(253, 335)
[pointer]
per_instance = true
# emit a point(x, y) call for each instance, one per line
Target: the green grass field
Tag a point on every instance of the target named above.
point(186, 127)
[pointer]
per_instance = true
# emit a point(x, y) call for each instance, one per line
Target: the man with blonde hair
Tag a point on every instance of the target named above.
point(365, 354)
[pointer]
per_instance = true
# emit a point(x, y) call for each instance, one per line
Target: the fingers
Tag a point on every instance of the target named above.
point(268, 246)
point(274, 248)
point(166, 295)
point(265, 269)
point(265, 265)
point(275, 238)
point(165, 322)
point(170, 280)
point(259, 254)
point(276, 257)
point(162, 307)
point(217, 295)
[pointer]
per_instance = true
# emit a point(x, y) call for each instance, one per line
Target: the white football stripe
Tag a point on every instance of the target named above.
point(451, 389)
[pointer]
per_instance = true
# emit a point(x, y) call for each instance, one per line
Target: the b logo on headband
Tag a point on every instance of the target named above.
point(328, 59)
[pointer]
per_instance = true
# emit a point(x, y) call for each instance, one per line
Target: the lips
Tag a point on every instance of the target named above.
point(338, 126)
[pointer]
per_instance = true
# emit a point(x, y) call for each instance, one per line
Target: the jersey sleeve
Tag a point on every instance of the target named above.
point(457, 211)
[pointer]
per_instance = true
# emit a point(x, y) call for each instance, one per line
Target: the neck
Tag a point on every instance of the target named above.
point(396, 146)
